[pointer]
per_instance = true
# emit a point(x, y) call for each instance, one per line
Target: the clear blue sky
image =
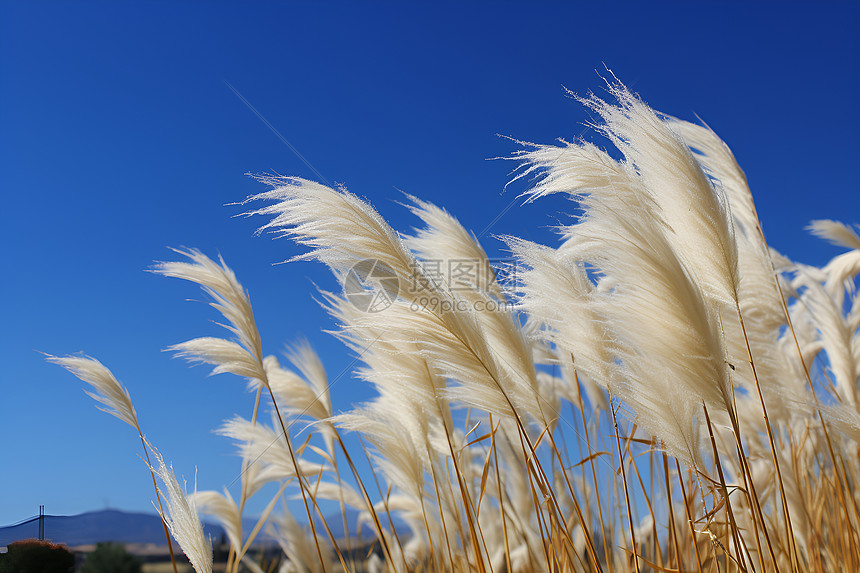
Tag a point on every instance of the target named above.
point(119, 138)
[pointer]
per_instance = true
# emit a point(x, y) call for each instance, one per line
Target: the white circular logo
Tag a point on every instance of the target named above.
point(371, 286)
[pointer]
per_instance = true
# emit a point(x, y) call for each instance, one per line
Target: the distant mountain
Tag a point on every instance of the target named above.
point(141, 528)
point(92, 527)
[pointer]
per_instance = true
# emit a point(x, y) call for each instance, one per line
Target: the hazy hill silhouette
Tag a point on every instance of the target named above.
point(94, 526)
point(131, 527)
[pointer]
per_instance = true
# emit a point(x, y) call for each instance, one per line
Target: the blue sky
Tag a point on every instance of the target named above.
point(120, 138)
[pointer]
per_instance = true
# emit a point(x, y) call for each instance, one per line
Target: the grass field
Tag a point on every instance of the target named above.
point(660, 391)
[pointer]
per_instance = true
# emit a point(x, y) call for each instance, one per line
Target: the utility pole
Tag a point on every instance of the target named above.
point(41, 523)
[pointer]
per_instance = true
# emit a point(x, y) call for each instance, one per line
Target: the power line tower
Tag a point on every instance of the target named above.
point(41, 523)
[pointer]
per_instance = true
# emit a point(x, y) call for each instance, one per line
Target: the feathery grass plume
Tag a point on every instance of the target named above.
point(758, 294)
point(449, 337)
point(226, 355)
point(220, 283)
point(569, 167)
point(455, 347)
point(307, 361)
point(397, 367)
point(803, 322)
point(759, 300)
point(838, 338)
point(445, 243)
point(268, 447)
point(444, 240)
point(662, 333)
point(297, 544)
point(410, 423)
point(719, 163)
point(108, 391)
point(766, 367)
point(557, 293)
point(182, 519)
point(342, 491)
point(231, 300)
point(835, 232)
point(401, 452)
point(223, 507)
point(341, 230)
point(695, 210)
point(116, 401)
point(668, 352)
point(338, 227)
point(845, 417)
point(295, 394)
point(842, 269)
point(656, 206)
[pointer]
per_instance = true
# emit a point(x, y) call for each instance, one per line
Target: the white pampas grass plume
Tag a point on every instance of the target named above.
point(836, 334)
point(557, 292)
point(384, 424)
point(340, 228)
point(845, 418)
point(758, 296)
point(232, 301)
point(304, 397)
point(446, 244)
point(842, 269)
point(398, 368)
point(695, 210)
point(108, 391)
point(226, 355)
point(261, 444)
point(308, 362)
point(340, 491)
point(297, 544)
point(446, 241)
point(308, 396)
point(718, 161)
point(666, 353)
point(182, 519)
point(658, 239)
point(835, 232)
point(223, 507)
